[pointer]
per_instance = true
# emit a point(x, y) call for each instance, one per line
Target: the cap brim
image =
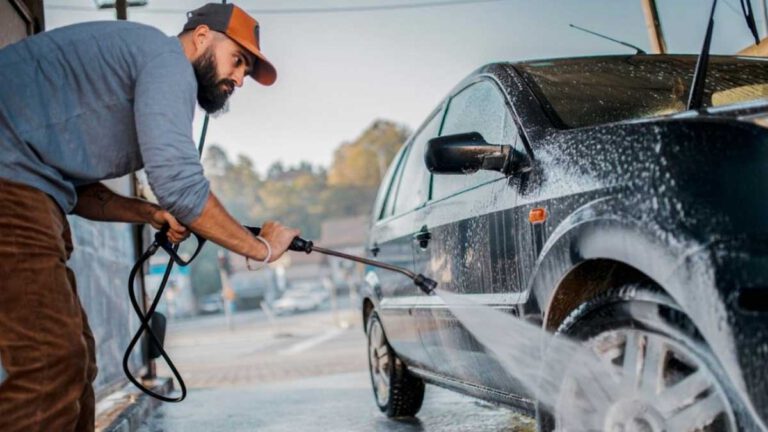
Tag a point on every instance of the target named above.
point(262, 71)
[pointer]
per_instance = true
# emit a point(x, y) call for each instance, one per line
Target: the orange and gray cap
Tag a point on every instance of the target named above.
point(240, 27)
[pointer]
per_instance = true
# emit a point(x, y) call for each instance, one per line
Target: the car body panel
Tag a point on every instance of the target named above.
point(671, 198)
point(397, 291)
point(662, 210)
point(393, 239)
point(471, 257)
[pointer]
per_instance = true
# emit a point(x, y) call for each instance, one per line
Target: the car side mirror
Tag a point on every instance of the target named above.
point(466, 153)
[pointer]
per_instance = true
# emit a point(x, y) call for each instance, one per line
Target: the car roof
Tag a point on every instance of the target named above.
point(599, 58)
point(536, 123)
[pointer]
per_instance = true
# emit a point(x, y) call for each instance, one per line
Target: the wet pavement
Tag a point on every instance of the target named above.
point(299, 373)
point(342, 402)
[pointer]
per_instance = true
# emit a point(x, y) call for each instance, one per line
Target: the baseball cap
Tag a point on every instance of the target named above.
point(238, 26)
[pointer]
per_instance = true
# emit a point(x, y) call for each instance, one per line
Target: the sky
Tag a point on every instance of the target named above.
point(339, 71)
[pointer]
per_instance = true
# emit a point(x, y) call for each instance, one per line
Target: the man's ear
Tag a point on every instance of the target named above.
point(201, 36)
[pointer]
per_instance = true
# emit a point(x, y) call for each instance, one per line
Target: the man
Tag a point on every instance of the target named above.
point(78, 105)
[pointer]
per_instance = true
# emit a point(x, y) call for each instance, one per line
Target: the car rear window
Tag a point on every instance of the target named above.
point(592, 91)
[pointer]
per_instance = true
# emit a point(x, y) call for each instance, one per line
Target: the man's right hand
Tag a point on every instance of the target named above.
point(278, 236)
point(217, 225)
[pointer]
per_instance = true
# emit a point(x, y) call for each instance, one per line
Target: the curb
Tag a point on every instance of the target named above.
point(127, 409)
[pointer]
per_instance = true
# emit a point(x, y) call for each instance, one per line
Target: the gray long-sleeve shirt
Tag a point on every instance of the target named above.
point(99, 100)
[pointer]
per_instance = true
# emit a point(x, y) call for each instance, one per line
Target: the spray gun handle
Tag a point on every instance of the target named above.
point(161, 239)
point(298, 244)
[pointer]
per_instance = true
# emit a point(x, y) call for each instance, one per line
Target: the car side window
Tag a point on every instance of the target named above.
point(386, 196)
point(479, 108)
point(414, 181)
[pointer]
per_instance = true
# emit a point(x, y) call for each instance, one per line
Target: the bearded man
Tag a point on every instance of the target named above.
point(78, 105)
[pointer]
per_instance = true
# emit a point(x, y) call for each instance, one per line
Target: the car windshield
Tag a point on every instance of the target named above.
point(592, 91)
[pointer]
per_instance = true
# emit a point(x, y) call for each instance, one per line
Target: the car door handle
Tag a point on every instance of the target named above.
point(375, 249)
point(423, 237)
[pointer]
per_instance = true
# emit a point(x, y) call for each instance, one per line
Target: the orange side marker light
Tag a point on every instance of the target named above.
point(537, 215)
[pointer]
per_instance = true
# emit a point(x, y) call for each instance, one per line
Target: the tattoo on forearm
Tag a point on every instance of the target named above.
point(148, 210)
point(102, 196)
point(96, 201)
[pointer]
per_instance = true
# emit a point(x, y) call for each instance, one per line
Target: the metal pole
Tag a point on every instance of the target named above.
point(658, 45)
point(121, 13)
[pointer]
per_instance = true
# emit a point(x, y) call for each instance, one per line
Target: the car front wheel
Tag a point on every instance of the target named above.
point(665, 377)
point(397, 392)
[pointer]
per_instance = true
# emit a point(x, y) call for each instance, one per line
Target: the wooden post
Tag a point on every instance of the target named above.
point(658, 45)
point(121, 9)
point(759, 50)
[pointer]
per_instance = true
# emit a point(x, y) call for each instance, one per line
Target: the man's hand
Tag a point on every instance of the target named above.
point(217, 225)
point(177, 232)
point(278, 236)
point(97, 202)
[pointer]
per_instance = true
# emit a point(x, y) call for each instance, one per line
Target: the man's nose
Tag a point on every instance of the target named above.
point(239, 77)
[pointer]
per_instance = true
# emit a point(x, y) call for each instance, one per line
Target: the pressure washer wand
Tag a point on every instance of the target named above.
point(424, 283)
point(298, 244)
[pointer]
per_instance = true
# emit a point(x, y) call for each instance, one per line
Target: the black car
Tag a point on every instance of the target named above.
point(582, 195)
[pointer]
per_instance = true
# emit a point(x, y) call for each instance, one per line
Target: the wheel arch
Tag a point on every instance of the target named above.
point(586, 281)
point(601, 247)
point(367, 308)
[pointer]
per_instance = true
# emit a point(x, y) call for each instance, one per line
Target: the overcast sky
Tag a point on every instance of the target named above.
point(338, 71)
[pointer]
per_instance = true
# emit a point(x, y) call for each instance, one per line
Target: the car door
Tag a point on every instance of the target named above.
point(392, 241)
point(472, 246)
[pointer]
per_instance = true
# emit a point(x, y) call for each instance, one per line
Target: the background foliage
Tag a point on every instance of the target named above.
point(301, 196)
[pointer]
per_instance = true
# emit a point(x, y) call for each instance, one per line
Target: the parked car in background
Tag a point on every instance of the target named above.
point(582, 195)
point(251, 288)
point(210, 304)
point(301, 298)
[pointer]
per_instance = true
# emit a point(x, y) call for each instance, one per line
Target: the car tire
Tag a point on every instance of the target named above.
point(660, 335)
point(396, 391)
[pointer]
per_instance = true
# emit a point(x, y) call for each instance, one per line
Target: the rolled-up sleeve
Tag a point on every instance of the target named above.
point(164, 108)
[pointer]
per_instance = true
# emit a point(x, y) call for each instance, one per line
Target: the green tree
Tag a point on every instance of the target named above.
point(292, 196)
point(362, 162)
point(234, 183)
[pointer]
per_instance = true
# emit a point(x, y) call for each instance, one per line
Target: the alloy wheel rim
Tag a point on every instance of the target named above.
point(656, 385)
point(378, 361)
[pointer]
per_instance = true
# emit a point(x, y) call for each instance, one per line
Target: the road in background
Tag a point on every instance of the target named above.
point(305, 372)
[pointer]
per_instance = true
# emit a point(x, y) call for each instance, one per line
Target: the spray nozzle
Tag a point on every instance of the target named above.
point(425, 284)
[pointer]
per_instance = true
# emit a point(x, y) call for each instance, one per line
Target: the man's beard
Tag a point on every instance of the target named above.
point(210, 95)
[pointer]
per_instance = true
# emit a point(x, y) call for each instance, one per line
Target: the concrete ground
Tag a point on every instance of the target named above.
point(306, 372)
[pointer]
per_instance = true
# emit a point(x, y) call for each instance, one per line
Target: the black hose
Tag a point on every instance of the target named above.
point(160, 241)
point(145, 327)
